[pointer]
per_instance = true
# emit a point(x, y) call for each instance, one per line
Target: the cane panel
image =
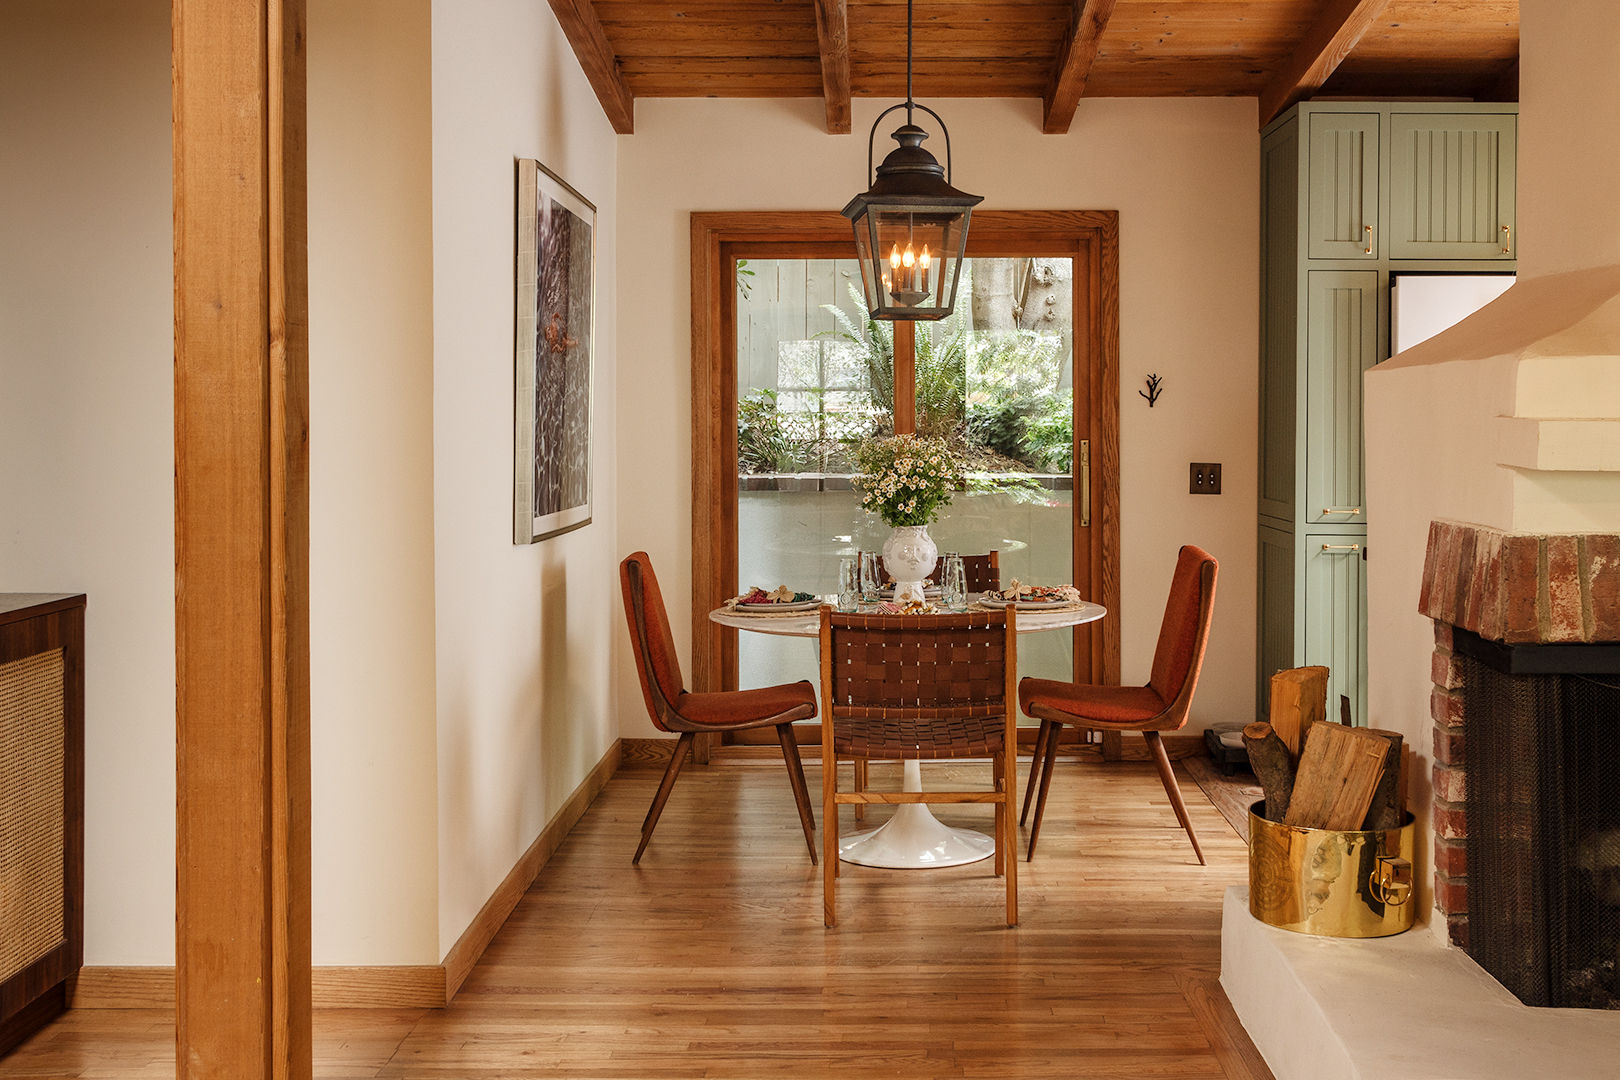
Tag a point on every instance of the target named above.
point(32, 752)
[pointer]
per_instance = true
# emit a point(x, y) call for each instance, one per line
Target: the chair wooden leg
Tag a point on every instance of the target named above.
point(861, 779)
point(829, 828)
point(1010, 833)
point(999, 774)
point(801, 793)
point(1172, 789)
point(681, 747)
point(1046, 783)
point(1035, 766)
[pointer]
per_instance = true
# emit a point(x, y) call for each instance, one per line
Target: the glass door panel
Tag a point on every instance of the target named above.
point(814, 377)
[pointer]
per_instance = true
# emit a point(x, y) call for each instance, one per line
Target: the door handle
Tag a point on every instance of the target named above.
point(1085, 483)
point(1369, 241)
point(1341, 547)
point(1507, 239)
point(1352, 510)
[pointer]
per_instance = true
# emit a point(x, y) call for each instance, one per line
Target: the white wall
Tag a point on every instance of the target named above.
point(1437, 427)
point(373, 734)
point(1183, 175)
point(86, 415)
point(524, 633)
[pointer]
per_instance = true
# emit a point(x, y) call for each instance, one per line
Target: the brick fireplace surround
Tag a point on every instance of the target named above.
point(1515, 588)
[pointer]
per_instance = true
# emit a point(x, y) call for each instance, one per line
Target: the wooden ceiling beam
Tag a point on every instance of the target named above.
point(1323, 48)
point(832, 33)
point(1079, 50)
point(589, 41)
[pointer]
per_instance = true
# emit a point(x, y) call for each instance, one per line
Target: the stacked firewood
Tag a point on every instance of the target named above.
point(1320, 775)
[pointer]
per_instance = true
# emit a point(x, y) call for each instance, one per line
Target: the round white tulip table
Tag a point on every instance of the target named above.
point(913, 839)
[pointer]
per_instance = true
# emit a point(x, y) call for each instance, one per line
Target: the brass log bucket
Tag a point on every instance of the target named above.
point(1330, 883)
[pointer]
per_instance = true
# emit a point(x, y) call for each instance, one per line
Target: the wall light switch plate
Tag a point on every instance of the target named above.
point(1204, 478)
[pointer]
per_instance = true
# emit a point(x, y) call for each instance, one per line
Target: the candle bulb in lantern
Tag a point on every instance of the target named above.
point(924, 261)
point(892, 282)
point(908, 280)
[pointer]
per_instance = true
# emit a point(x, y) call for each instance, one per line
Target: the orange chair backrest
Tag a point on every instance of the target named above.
point(650, 639)
point(1185, 630)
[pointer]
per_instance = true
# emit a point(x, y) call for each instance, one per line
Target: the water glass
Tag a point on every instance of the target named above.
point(849, 584)
point(869, 577)
point(953, 582)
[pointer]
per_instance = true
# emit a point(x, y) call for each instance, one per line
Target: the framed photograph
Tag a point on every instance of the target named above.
point(556, 308)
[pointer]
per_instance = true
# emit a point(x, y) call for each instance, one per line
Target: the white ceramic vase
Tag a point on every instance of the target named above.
point(909, 555)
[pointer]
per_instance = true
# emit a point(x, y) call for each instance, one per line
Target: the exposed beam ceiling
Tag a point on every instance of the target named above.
point(1075, 57)
point(1323, 48)
point(584, 32)
point(832, 34)
point(1058, 51)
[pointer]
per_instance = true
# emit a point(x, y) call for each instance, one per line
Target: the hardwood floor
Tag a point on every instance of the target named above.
point(710, 960)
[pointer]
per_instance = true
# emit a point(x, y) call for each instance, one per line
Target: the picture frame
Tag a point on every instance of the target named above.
point(554, 355)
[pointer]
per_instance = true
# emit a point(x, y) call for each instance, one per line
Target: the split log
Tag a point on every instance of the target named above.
point(1338, 773)
point(1268, 757)
point(1387, 809)
point(1298, 700)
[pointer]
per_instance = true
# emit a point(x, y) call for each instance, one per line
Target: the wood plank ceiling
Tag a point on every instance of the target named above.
point(1057, 50)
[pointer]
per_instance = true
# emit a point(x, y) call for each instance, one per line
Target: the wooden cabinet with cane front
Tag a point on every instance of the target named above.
point(41, 807)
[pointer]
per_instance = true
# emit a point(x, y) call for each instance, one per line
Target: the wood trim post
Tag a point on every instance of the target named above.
point(905, 378)
point(242, 905)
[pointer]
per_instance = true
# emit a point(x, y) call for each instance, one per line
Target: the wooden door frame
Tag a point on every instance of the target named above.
point(1091, 237)
point(241, 461)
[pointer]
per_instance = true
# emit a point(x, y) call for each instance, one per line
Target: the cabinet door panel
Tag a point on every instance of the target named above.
point(1344, 186)
point(1279, 342)
point(1452, 180)
point(1341, 343)
point(1275, 646)
point(1336, 617)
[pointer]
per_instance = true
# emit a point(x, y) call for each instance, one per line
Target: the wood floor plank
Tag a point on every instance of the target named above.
point(710, 960)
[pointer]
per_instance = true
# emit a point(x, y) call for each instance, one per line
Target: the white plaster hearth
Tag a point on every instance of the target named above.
point(1396, 1008)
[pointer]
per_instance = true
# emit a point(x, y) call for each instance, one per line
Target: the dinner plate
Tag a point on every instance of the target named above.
point(1025, 605)
point(800, 605)
point(930, 593)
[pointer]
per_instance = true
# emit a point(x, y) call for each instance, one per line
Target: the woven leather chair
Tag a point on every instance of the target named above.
point(672, 708)
point(1161, 705)
point(925, 687)
point(983, 574)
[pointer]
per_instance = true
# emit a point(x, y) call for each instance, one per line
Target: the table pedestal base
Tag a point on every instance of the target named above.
point(914, 839)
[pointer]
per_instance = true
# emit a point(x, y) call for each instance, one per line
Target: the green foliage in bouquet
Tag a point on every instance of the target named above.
point(907, 480)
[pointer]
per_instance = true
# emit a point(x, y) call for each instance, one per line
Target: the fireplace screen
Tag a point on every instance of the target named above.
point(1543, 755)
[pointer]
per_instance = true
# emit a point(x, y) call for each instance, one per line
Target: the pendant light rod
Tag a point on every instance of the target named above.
point(908, 66)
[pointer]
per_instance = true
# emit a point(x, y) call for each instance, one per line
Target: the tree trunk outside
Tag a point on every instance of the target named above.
point(993, 281)
point(1049, 304)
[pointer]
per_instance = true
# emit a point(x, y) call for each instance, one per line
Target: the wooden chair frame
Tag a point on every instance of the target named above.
point(1003, 761)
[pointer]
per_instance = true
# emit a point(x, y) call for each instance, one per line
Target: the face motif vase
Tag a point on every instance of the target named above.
point(909, 555)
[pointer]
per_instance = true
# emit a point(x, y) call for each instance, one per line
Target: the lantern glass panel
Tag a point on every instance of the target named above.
point(914, 260)
point(863, 254)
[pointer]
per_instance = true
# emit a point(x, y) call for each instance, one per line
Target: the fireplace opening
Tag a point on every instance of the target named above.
point(1542, 748)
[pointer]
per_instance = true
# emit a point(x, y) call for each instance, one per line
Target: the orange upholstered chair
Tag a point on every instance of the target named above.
point(672, 708)
point(1161, 705)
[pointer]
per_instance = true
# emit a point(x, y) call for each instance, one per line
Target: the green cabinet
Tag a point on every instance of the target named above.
point(1452, 186)
point(1342, 343)
point(1343, 185)
point(1336, 617)
point(1349, 192)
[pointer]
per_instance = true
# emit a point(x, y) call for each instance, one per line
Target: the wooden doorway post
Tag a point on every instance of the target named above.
point(241, 400)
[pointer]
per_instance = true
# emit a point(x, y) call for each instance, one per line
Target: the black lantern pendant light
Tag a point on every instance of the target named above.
point(910, 225)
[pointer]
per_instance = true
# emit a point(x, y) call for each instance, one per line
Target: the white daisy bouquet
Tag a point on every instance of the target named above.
point(906, 480)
